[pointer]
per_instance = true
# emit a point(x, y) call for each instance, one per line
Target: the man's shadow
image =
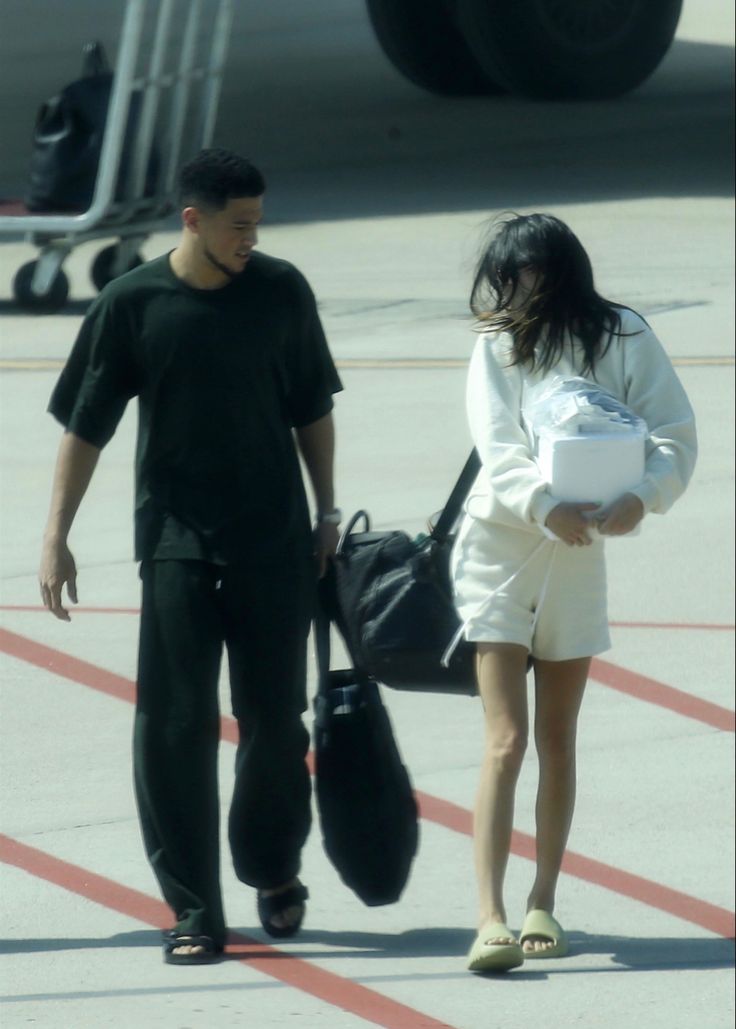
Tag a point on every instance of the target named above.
point(136, 938)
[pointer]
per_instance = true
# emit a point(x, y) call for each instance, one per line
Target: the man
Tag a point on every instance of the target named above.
point(224, 349)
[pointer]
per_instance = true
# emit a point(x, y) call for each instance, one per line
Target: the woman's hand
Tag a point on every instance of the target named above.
point(569, 523)
point(621, 516)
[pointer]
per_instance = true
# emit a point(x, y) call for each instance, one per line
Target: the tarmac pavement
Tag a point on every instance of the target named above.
point(388, 243)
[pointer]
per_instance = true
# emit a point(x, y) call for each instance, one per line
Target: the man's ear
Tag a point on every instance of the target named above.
point(190, 217)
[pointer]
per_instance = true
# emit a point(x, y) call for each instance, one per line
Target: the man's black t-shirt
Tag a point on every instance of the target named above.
point(222, 376)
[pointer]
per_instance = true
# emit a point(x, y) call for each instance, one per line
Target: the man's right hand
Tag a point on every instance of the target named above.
point(57, 568)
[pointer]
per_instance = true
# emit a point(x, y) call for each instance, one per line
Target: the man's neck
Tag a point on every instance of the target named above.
point(195, 270)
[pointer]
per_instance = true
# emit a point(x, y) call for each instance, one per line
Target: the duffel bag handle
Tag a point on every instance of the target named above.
point(366, 518)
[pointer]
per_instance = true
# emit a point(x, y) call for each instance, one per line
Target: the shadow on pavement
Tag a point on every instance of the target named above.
point(635, 954)
point(75, 308)
point(136, 938)
point(376, 146)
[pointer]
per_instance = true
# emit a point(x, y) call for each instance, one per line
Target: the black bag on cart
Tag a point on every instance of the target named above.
point(67, 139)
point(367, 811)
point(392, 601)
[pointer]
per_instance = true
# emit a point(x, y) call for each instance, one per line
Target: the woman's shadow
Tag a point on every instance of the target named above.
point(624, 953)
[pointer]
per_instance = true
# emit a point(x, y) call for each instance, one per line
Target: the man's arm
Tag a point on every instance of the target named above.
point(75, 465)
point(317, 446)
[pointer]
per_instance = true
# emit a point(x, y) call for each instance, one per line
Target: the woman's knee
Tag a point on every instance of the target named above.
point(556, 744)
point(505, 750)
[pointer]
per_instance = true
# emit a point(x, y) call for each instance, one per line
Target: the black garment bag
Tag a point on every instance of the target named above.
point(367, 811)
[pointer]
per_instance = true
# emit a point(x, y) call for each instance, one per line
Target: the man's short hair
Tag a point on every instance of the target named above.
point(215, 176)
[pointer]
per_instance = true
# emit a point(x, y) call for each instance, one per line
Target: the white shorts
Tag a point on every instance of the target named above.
point(517, 586)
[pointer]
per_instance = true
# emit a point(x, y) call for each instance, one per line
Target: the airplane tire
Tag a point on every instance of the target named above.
point(421, 40)
point(568, 49)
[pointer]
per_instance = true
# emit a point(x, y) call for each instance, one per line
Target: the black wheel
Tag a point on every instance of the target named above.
point(421, 40)
point(101, 269)
point(569, 49)
point(52, 300)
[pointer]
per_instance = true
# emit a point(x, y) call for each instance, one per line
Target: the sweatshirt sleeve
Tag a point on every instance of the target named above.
point(494, 396)
point(654, 392)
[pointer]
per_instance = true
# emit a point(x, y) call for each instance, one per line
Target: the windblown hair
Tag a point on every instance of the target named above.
point(563, 304)
point(215, 176)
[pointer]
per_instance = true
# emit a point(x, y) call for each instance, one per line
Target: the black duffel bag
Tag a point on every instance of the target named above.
point(367, 811)
point(392, 601)
point(68, 137)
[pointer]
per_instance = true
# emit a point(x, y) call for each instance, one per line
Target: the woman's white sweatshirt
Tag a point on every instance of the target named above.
point(635, 369)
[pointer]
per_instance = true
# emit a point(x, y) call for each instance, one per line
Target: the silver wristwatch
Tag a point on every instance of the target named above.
point(333, 517)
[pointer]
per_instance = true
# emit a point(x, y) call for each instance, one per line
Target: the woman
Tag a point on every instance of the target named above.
point(529, 571)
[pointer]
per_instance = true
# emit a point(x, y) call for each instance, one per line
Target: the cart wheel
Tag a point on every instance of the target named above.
point(101, 269)
point(52, 300)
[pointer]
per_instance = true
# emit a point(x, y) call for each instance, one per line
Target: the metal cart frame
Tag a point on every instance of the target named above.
point(194, 86)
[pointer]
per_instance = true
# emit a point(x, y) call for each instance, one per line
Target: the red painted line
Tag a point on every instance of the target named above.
point(639, 686)
point(698, 626)
point(711, 917)
point(68, 667)
point(701, 626)
point(653, 692)
point(434, 809)
point(74, 609)
point(84, 673)
point(293, 971)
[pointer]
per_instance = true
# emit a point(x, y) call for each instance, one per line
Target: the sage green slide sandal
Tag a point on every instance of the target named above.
point(541, 924)
point(486, 956)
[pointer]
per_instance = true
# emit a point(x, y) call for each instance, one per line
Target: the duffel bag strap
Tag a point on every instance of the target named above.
point(451, 510)
point(322, 644)
point(322, 623)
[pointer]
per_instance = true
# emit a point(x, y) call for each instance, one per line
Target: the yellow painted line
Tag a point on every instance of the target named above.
point(31, 364)
point(402, 362)
point(44, 364)
point(722, 362)
point(453, 362)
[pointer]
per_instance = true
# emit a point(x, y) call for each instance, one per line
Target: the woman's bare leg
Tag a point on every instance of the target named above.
point(559, 688)
point(501, 670)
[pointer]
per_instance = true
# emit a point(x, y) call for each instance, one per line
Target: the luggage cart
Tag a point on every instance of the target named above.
point(171, 59)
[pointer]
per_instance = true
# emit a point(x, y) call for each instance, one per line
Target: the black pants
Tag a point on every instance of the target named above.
point(189, 610)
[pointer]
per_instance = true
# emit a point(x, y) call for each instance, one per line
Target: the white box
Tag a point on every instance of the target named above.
point(594, 467)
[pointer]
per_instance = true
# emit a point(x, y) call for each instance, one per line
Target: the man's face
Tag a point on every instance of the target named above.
point(226, 238)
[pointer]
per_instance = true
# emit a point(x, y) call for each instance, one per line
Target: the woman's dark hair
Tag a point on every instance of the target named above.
point(563, 303)
point(215, 176)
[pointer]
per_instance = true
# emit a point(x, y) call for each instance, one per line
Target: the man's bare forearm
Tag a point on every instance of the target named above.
point(75, 465)
point(317, 446)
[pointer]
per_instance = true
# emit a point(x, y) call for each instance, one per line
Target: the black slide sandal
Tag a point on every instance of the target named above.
point(173, 939)
point(276, 903)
